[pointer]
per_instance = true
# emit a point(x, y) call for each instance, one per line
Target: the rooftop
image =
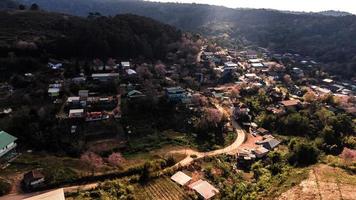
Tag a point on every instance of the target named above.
point(205, 189)
point(6, 139)
point(290, 102)
point(181, 178)
point(52, 195)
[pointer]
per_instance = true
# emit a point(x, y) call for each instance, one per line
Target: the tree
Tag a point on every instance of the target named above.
point(145, 173)
point(22, 7)
point(5, 187)
point(92, 159)
point(116, 159)
point(287, 79)
point(309, 97)
point(295, 123)
point(34, 7)
point(213, 116)
point(302, 154)
point(199, 100)
point(160, 69)
point(348, 154)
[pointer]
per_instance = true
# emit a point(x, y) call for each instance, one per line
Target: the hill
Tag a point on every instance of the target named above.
point(326, 38)
point(334, 13)
point(8, 4)
point(121, 36)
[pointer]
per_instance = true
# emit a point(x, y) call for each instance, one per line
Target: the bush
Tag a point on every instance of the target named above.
point(5, 187)
point(302, 154)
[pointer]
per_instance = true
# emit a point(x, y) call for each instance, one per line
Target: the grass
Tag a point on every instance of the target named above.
point(285, 181)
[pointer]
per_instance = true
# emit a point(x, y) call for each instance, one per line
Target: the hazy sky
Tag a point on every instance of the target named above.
point(293, 5)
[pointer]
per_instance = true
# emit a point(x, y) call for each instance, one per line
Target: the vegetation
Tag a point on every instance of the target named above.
point(123, 36)
point(266, 178)
point(5, 187)
point(115, 190)
point(161, 188)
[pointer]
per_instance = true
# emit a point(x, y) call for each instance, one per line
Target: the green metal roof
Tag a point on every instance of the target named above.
point(6, 139)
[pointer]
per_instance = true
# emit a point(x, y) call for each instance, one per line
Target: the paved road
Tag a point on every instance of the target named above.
point(240, 139)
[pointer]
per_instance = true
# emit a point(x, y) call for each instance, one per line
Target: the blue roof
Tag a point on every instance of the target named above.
point(6, 139)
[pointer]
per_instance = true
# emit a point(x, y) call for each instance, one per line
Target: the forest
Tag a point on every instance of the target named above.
point(123, 36)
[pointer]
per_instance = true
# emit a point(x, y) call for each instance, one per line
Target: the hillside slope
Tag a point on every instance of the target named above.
point(96, 36)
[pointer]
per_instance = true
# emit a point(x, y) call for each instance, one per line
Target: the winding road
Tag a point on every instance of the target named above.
point(240, 139)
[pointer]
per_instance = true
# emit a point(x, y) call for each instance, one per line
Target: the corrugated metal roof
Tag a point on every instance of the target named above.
point(6, 139)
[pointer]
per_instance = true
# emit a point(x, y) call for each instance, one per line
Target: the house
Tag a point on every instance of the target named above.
point(104, 77)
point(230, 66)
point(260, 151)
point(291, 103)
point(78, 80)
point(181, 178)
point(83, 94)
point(328, 80)
point(7, 144)
point(269, 143)
point(125, 65)
point(245, 155)
point(53, 92)
point(96, 116)
point(52, 195)
point(73, 100)
point(251, 76)
point(204, 189)
point(55, 65)
point(176, 94)
point(33, 179)
point(262, 131)
point(131, 72)
point(76, 113)
point(297, 72)
point(133, 94)
point(241, 112)
point(257, 65)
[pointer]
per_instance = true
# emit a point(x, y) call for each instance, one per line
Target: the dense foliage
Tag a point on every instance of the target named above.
point(5, 187)
point(37, 33)
point(326, 38)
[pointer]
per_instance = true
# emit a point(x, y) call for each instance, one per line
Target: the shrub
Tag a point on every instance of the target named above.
point(303, 154)
point(5, 187)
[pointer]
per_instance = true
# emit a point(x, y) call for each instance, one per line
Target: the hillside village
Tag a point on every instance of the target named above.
point(205, 122)
point(97, 103)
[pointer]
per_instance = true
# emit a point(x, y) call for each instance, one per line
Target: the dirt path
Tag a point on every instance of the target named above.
point(240, 139)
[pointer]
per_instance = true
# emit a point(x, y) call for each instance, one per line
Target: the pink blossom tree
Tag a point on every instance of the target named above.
point(111, 62)
point(348, 154)
point(92, 159)
point(199, 100)
point(213, 116)
point(160, 69)
point(116, 159)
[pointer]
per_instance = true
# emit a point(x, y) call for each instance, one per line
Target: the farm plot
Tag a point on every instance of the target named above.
point(162, 189)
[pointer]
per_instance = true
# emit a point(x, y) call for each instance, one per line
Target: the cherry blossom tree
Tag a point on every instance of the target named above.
point(111, 62)
point(160, 69)
point(116, 159)
point(200, 100)
point(213, 115)
point(348, 154)
point(92, 159)
point(98, 62)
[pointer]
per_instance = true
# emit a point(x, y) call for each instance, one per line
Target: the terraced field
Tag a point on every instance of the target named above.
point(162, 189)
